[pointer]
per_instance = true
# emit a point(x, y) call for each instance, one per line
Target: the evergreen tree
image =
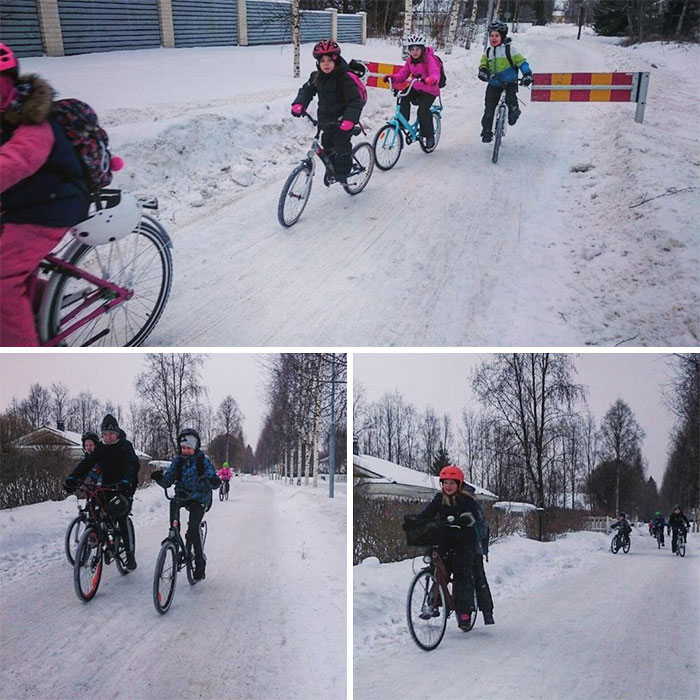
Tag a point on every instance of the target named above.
point(442, 459)
point(610, 17)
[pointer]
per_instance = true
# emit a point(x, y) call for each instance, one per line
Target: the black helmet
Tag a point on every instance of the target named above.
point(90, 435)
point(500, 27)
point(189, 436)
point(622, 515)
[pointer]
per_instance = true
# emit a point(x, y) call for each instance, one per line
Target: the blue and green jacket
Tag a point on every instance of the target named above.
point(184, 472)
point(499, 67)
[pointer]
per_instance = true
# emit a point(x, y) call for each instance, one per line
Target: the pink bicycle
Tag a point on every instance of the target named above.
point(108, 283)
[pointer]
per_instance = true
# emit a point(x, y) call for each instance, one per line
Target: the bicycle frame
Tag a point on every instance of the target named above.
point(412, 130)
point(96, 500)
point(318, 150)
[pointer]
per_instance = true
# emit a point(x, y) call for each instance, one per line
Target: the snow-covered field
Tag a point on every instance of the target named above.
point(544, 248)
point(269, 620)
point(572, 621)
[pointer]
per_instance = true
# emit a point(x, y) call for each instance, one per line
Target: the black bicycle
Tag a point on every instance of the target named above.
point(224, 489)
point(174, 556)
point(75, 530)
point(297, 189)
point(102, 541)
point(501, 120)
point(621, 541)
point(679, 539)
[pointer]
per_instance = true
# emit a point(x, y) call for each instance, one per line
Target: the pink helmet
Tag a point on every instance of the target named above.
point(8, 60)
point(327, 47)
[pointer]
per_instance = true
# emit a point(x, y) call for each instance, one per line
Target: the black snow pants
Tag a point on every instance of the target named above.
point(460, 561)
point(493, 95)
point(425, 118)
point(336, 144)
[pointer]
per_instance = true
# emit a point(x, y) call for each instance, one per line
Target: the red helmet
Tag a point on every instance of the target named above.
point(8, 60)
point(452, 472)
point(327, 47)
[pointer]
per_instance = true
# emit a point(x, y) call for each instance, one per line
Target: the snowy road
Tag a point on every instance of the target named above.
point(275, 586)
point(603, 627)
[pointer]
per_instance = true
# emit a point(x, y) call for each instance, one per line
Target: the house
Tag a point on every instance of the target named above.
point(379, 477)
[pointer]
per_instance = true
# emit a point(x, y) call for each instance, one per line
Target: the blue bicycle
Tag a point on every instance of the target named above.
point(388, 143)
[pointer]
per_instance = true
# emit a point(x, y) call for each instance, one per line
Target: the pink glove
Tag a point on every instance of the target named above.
point(117, 163)
point(297, 109)
point(430, 80)
point(346, 125)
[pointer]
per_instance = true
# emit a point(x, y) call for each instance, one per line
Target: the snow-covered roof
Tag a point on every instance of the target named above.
point(46, 435)
point(381, 471)
point(515, 506)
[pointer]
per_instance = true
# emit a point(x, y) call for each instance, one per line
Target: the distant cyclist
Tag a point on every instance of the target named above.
point(499, 68)
point(658, 525)
point(339, 104)
point(678, 523)
point(622, 525)
point(194, 478)
point(43, 192)
point(225, 474)
point(422, 64)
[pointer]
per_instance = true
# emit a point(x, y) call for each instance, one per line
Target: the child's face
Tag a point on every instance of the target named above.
point(187, 450)
point(110, 437)
point(326, 64)
point(449, 487)
point(415, 51)
point(494, 38)
point(89, 446)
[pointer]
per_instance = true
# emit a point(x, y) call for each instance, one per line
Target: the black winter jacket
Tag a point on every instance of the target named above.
point(679, 520)
point(468, 536)
point(338, 94)
point(117, 462)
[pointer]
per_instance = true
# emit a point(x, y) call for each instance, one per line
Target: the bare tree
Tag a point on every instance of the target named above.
point(59, 402)
point(36, 408)
point(85, 412)
point(229, 421)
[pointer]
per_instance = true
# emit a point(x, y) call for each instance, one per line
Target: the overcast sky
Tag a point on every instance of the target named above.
point(110, 377)
point(442, 381)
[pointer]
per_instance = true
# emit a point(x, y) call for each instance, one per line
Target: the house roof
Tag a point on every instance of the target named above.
point(397, 480)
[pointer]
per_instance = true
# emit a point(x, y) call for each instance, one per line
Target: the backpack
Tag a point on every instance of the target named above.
point(90, 141)
point(443, 77)
point(356, 71)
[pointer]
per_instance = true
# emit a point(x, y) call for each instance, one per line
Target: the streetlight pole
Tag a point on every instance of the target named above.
point(580, 17)
point(331, 445)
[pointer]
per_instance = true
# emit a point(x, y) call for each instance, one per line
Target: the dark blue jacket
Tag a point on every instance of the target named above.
point(183, 472)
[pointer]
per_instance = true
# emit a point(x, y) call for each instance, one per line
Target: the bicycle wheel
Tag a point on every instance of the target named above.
point(426, 610)
point(626, 545)
point(498, 133)
point(120, 558)
point(203, 532)
point(87, 570)
point(614, 545)
point(387, 145)
point(228, 488)
point(362, 168)
point(221, 492)
point(680, 546)
point(295, 194)
point(141, 263)
point(437, 128)
point(74, 532)
point(165, 577)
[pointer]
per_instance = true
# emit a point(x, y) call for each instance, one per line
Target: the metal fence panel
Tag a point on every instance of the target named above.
point(19, 27)
point(269, 22)
point(205, 22)
point(108, 25)
point(315, 25)
point(350, 28)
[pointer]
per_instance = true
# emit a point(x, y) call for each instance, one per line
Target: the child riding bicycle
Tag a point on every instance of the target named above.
point(194, 478)
point(119, 466)
point(225, 475)
point(499, 68)
point(339, 104)
point(659, 524)
point(622, 526)
point(43, 192)
point(422, 65)
point(460, 544)
point(679, 524)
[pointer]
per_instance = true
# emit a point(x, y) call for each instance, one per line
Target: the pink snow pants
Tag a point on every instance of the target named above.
point(22, 247)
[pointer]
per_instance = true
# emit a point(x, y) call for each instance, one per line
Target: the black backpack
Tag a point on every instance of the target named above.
point(443, 77)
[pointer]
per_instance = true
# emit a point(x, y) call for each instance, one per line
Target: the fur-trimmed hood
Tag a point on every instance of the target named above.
point(32, 102)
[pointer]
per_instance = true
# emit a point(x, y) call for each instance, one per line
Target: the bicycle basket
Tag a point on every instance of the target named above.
point(421, 534)
point(117, 506)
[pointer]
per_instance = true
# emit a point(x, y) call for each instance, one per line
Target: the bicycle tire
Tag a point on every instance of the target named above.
point(362, 168)
point(474, 615)
point(498, 133)
point(426, 633)
point(221, 493)
point(392, 151)
point(120, 558)
point(614, 545)
point(141, 262)
point(626, 545)
point(297, 187)
point(680, 546)
point(437, 128)
point(89, 561)
point(165, 577)
point(74, 532)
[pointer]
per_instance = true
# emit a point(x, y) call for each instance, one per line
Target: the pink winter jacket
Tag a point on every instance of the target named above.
point(427, 66)
point(225, 474)
point(26, 151)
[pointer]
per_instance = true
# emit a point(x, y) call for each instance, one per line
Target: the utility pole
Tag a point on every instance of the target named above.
point(331, 445)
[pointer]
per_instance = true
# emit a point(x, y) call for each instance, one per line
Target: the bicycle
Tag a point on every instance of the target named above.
point(75, 531)
point(620, 541)
point(388, 143)
point(297, 188)
point(659, 534)
point(430, 602)
point(102, 541)
point(501, 120)
point(174, 555)
point(679, 540)
point(224, 489)
point(111, 294)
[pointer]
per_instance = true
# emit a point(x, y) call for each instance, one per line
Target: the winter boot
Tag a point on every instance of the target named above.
point(513, 116)
point(488, 618)
point(465, 621)
point(486, 136)
point(198, 574)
